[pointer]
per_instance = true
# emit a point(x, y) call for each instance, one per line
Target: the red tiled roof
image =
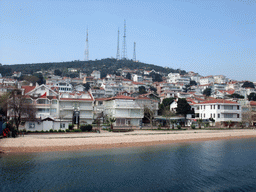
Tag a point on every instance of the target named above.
point(75, 99)
point(122, 97)
point(28, 88)
point(219, 101)
point(253, 103)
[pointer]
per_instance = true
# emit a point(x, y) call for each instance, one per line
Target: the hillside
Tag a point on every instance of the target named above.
point(105, 66)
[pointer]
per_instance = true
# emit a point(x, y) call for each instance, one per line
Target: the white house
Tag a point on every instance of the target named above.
point(125, 110)
point(220, 110)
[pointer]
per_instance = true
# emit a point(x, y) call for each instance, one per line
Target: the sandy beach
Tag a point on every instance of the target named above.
point(89, 141)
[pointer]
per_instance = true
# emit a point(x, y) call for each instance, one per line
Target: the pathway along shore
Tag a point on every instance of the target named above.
point(89, 141)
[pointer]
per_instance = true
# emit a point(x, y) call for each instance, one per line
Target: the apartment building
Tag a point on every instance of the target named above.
point(219, 109)
point(125, 110)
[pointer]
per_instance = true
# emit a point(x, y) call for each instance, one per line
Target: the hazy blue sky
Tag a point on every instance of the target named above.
point(211, 37)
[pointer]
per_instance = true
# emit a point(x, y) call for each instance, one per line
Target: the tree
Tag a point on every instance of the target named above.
point(20, 108)
point(128, 76)
point(3, 104)
point(235, 95)
point(192, 83)
point(87, 86)
point(252, 97)
point(183, 107)
point(40, 77)
point(165, 104)
point(207, 92)
point(152, 88)
point(199, 122)
point(167, 114)
point(57, 72)
point(149, 115)
point(248, 84)
point(156, 77)
point(142, 90)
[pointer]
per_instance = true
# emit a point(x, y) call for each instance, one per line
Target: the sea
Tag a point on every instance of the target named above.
point(222, 165)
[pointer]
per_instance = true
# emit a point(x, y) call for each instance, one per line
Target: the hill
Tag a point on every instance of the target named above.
point(105, 66)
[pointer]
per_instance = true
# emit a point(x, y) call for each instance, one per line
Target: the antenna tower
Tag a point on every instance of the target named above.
point(134, 52)
point(86, 52)
point(124, 43)
point(118, 53)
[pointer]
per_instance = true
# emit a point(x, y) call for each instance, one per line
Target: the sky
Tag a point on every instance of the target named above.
point(209, 37)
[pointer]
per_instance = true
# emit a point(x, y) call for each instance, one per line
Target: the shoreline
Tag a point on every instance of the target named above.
point(46, 143)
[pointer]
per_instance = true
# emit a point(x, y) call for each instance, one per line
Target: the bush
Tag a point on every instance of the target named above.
point(42, 131)
point(179, 126)
point(70, 126)
point(193, 126)
point(86, 128)
point(46, 131)
point(55, 131)
point(36, 131)
point(51, 130)
point(60, 131)
point(77, 130)
point(67, 130)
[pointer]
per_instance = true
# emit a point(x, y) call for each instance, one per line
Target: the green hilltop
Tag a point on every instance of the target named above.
point(105, 66)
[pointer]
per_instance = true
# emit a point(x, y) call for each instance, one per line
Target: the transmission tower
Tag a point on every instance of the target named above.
point(86, 52)
point(134, 52)
point(118, 53)
point(124, 43)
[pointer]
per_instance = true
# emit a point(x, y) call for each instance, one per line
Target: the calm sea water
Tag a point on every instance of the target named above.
point(195, 166)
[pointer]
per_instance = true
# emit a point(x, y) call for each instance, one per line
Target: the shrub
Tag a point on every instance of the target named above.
point(67, 130)
point(24, 130)
point(206, 125)
point(42, 131)
point(36, 131)
point(86, 128)
point(51, 131)
point(77, 130)
point(46, 131)
point(179, 126)
point(59, 130)
point(70, 126)
point(193, 126)
point(28, 131)
point(55, 131)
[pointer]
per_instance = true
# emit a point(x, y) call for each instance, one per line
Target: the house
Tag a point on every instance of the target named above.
point(206, 80)
point(76, 102)
point(125, 110)
point(220, 110)
point(95, 74)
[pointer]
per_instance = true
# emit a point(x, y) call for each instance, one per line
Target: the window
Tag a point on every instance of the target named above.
point(211, 106)
point(42, 88)
point(228, 107)
point(218, 106)
point(62, 125)
point(31, 125)
point(201, 107)
point(228, 115)
point(204, 115)
point(218, 115)
point(238, 107)
point(211, 115)
point(214, 115)
point(54, 102)
point(238, 116)
point(204, 107)
point(53, 110)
